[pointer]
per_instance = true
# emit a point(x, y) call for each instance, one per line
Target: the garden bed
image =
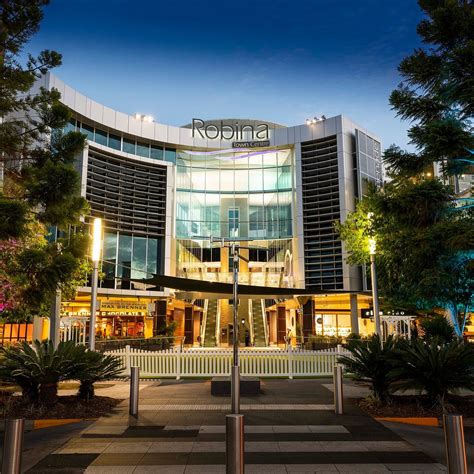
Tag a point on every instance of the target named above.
point(67, 406)
point(415, 406)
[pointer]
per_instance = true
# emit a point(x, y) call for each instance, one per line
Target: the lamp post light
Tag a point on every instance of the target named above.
point(375, 296)
point(96, 246)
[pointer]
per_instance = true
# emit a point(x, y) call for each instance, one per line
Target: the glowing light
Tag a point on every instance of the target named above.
point(96, 239)
point(372, 246)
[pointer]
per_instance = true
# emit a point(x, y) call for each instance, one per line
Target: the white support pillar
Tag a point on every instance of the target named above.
point(354, 314)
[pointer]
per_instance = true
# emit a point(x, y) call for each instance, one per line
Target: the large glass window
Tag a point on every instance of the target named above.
point(101, 137)
point(110, 260)
point(124, 261)
point(156, 152)
point(170, 155)
point(88, 130)
point(115, 142)
point(228, 194)
point(139, 258)
point(143, 150)
point(128, 146)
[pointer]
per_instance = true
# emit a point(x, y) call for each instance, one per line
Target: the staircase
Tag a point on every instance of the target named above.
point(210, 329)
point(259, 339)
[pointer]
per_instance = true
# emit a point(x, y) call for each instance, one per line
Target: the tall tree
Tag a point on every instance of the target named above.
point(40, 194)
point(424, 234)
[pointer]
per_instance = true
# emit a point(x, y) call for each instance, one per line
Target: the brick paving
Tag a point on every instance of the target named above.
point(290, 428)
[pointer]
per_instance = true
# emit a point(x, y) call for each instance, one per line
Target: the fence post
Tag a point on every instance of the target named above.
point(127, 360)
point(178, 363)
point(290, 361)
point(455, 446)
point(13, 446)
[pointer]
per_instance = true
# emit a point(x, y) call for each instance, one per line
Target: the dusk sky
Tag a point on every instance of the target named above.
point(277, 60)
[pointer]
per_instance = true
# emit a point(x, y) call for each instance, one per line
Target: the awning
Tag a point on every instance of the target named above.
point(192, 288)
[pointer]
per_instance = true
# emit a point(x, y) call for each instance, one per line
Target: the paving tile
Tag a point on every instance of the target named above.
point(177, 469)
point(365, 468)
point(181, 427)
point(85, 448)
point(291, 429)
point(300, 446)
point(319, 468)
point(205, 469)
point(348, 446)
point(128, 448)
point(209, 447)
point(171, 447)
point(258, 429)
point(110, 470)
point(212, 429)
point(416, 467)
point(261, 446)
point(328, 429)
point(387, 446)
point(161, 459)
point(118, 459)
point(273, 468)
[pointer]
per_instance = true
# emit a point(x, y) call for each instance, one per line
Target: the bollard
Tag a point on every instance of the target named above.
point(234, 429)
point(12, 446)
point(235, 389)
point(338, 395)
point(134, 386)
point(455, 446)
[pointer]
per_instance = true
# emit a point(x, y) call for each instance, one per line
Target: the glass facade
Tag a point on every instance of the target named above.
point(234, 194)
point(127, 145)
point(129, 256)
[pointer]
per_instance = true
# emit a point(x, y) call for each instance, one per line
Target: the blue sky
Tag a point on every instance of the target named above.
point(277, 60)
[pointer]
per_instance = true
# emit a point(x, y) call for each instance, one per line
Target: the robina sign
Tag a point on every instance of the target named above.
point(225, 131)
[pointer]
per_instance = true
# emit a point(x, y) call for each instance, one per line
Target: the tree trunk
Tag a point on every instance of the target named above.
point(48, 393)
point(86, 390)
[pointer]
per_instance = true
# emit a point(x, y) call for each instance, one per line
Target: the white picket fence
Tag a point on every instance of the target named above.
point(213, 363)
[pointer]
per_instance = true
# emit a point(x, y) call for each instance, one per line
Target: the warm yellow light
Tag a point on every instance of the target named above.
point(96, 239)
point(372, 246)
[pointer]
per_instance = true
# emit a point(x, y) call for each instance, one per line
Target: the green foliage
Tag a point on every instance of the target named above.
point(438, 369)
point(37, 369)
point(91, 367)
point(41, 187)
point(437, 328)
point(369, 362)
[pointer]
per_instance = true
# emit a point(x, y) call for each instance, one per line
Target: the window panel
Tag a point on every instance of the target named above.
point(139, 257)
point(143, 150)
point(157, 153)
point(115, 142)
point(128, 146)
point(101, 137)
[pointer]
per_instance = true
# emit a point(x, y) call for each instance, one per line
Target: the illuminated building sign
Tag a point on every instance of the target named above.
point(225, 131)
point(122, 306)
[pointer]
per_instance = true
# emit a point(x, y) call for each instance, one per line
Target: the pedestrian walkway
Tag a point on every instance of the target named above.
point(181, 429)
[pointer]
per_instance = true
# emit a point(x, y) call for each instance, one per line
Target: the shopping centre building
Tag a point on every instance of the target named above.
point(164, 193)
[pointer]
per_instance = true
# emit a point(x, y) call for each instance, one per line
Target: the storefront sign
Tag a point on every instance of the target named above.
point(122, 306)
point(234, 131)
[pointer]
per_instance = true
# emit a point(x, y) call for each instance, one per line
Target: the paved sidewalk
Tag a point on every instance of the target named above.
point(290, 428)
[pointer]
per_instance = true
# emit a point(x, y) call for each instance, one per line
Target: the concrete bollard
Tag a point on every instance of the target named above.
point(234, 429)
point(455, 445)
point(134, 387)
point(338, 392)
point(13, 446)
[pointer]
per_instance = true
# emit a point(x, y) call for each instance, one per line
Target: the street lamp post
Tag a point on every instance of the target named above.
point(235, 375)
point(96, 245)
point(375, 297)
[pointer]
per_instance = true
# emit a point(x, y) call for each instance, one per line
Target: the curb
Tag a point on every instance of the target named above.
point(419, 421)
point(48, 423)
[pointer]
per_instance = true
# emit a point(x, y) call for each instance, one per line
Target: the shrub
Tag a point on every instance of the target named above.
point(437, 327)
point(91, 367)
point(438, 369)
point(369, 362)
point(37, 369)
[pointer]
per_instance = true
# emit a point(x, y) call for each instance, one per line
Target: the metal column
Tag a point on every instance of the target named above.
point(235, 374)
point(134, 390)
point(13, 445)
point(455, 445)
point(235, 444)
point(338, 390)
